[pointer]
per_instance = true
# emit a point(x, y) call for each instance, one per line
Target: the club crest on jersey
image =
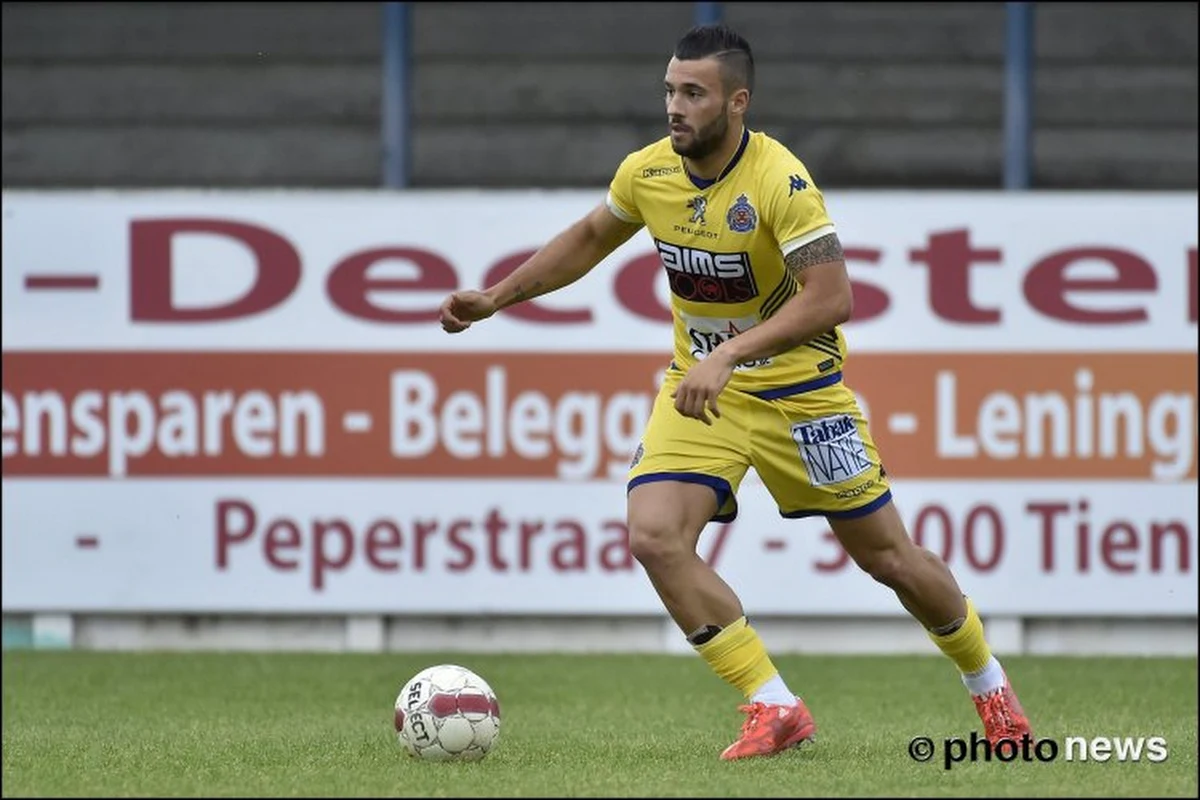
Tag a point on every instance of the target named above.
point(742, 217)
point(698, 205)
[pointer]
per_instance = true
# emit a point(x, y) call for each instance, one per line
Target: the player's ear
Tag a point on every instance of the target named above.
point(739, 101)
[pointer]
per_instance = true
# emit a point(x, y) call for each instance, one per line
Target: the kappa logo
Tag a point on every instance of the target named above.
point(658, 172)
point(861, 489)
point(796, 184)
point(698, 205)
point(742, 217)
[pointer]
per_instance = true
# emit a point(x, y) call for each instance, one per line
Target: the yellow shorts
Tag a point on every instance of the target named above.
point(809, 443)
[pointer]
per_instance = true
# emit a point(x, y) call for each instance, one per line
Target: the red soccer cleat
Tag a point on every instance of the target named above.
point(771, 729)
point(1002, 715)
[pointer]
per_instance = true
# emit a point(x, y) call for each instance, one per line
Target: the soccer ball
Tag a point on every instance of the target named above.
point(447, 713)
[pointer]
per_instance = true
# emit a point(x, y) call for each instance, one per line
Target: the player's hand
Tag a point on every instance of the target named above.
point(460, 309)
point(697, 393)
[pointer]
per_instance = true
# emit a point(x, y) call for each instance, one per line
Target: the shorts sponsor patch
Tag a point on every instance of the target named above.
point(831, 448)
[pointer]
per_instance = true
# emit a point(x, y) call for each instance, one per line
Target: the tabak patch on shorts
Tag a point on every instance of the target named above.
point(831, 448)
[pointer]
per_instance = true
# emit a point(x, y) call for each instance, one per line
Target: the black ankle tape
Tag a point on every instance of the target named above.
point(949, 628)
point(704, 634)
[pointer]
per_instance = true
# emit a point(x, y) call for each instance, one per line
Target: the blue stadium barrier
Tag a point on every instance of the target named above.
point(396, 111)
point(707, 13)
point(1018, 95)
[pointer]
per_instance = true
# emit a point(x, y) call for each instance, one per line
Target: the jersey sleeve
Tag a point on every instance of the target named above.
point(620, 198)
point(795, 207)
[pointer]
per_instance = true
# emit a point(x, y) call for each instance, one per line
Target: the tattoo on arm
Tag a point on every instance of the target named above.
point(819, 251)
point(521, 294)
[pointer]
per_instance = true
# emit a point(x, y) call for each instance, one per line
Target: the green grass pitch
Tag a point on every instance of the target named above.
point(290, 724)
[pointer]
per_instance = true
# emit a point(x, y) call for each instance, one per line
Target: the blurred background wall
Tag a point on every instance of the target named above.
point(550, 95)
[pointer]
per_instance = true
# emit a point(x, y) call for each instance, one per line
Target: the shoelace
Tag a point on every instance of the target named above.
point(996, 714)
point(753, 711)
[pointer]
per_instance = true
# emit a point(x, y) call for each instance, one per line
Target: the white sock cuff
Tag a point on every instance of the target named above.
point(774, 692)
point(988, 679)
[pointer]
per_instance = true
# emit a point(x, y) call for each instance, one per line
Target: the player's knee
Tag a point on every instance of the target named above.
point(656, 542)
point(890, 566)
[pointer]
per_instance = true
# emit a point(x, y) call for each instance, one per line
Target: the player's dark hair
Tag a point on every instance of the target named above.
point(720, 41)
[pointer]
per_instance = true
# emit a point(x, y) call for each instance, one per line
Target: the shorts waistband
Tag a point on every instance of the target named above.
point(799, 388)
point(794, 388)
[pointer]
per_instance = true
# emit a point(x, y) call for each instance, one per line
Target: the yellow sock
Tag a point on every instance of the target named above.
point(739, 657)
point(966, 647)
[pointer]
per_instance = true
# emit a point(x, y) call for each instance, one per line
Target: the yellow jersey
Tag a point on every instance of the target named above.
point(722, 243)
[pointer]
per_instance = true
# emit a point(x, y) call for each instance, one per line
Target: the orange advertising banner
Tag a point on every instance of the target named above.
point(567, 416)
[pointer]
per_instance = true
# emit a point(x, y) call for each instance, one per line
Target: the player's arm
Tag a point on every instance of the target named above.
point(824, 302)
point(563, 260)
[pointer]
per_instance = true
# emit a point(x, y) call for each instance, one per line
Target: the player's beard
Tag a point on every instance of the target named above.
point(706, 140)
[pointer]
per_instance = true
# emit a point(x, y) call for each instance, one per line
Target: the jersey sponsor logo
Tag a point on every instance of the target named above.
point(796, 184)
point(658, 172)
point(831, 448)
point(706, 334)
point(688, 230)
point(698, 205)
point(702, 276)
point(741, 217)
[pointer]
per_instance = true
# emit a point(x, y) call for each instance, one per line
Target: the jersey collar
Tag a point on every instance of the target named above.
point(704, 183)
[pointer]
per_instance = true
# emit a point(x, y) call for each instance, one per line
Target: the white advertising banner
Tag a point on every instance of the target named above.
point(218, 401)
point(511, 546)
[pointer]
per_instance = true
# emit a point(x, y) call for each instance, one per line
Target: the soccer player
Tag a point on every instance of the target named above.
point(758, 291)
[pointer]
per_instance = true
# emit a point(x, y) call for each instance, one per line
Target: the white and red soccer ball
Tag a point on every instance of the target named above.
point(447, 713)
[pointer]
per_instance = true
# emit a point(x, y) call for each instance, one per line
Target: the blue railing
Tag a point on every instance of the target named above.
point(1018, 95)
point(1018, 91)
point(397, 80)
point(707, 13)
